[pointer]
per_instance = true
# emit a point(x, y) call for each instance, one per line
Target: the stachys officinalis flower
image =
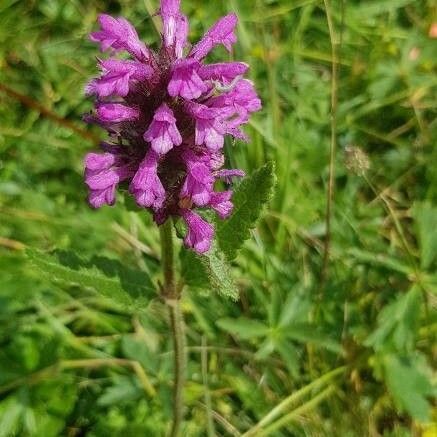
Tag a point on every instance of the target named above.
point(167, 113)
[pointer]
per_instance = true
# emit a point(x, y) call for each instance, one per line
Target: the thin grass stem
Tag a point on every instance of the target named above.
point(335, 44)
point(283, 406)
point(293, 415)
point(207, 394)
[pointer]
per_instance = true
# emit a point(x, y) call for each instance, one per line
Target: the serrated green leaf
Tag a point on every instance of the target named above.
point(108, 277)
point(409, 385)
point(244, 328)
point(208, 271)
point(249, 199)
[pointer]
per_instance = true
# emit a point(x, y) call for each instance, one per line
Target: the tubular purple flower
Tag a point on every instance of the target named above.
point(103, 172)
point(242, 99)
point(198, 184)
point(167, 115)
point(216, 160)
point(244, 96)
point(181, 35)
point(117, 76)
point(221, 32)
point(224, 72)
point(145, 185)
point(119, 34)
point(163, 133)
point(236, 107)
point(116, 112)
point(200, 232)
point(227, 175)
point(221, 203)
point(175, 26)
point(185, 81)
point(209, 130)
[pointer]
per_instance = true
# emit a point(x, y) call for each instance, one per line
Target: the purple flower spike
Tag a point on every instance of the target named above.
point(221, 203)
point(200, 232)
point(185, 81)
point(167, 114)
point(145, 185)
point(119, 34)
point(163, 133)
point(116, 113)
point(221, 32)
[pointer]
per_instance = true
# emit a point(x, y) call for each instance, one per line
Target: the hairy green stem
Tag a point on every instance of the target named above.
point(177, 325)
point(167, 261)
point(172, 295)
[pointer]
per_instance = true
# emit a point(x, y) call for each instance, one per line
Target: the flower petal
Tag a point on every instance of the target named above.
point(103, 172)
point(145, 185)
point(222, 32)
point(200, 232)
point(209, 129)
point(224, 72)
point(175, 26)
point(163, 133)
point(198, 184)
point(119, 34)
point(117, 76)
point(116, 113)
point(221, 203)
point(227, 175)
point(185, 81)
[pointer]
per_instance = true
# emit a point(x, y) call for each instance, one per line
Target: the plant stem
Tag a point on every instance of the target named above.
point(298, 412)
point(177, 325)
point(207, 394)
point(167, 261)
point(284, 405)
point(335, 44)
point(172, 296)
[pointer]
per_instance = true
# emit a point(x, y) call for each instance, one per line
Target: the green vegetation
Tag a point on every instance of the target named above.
point(319, 343)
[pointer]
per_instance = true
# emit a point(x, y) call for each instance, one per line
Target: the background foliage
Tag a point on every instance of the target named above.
point(348, 354)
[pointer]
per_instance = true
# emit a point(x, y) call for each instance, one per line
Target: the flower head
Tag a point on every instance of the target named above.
point(167, 114)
